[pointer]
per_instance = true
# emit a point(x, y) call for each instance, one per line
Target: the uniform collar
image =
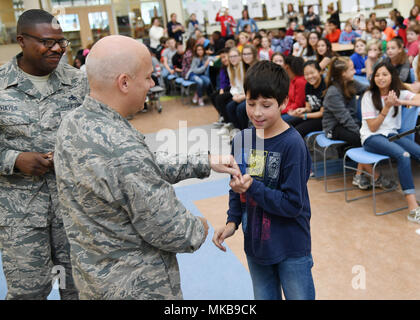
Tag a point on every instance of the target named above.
point(96, 106)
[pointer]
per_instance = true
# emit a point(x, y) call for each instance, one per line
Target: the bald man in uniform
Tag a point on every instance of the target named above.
point(122, 217)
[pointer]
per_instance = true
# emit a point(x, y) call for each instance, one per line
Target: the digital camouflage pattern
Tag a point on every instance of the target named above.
point(29, 121)
point(30, 230)
point(122, 217)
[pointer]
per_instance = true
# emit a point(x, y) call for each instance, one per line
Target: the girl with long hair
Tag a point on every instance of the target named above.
point(249, 55)
point(197, 73)
point(188, 57)
point(367, 34)
point(229, 101)
point(309, 118)
point(374, 54)
point(381, 118)
point(324, 53)
point(278, 58)
point(340, 121)
point(313, 39)
point(397, 56)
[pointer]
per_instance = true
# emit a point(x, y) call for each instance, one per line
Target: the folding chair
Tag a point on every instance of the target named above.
point(185, 89)
point(360, 155)
point(154, 97)
point(171, 81)
point(307, 137)
point(326, 143)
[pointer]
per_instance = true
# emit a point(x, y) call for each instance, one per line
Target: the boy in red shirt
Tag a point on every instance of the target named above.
point(333, 31)
point(413, 42)
point(297, 97)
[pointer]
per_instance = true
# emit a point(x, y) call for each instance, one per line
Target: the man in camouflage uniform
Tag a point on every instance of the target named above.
point(123, 220)
point(35, 93)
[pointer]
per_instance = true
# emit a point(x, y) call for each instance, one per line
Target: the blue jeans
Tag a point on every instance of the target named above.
point(231, 112)
point(401, 150)
point(242, 116)
point(203, 83)
point(293, 275)
point(286, 117)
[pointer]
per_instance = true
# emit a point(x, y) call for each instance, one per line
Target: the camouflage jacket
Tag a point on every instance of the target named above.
point(122, 217)
point(29, 121)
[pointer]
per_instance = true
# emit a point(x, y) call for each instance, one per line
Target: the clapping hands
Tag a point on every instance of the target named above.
point(391, 100)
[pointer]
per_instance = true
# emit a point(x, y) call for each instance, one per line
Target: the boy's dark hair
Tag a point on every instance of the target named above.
point(282, 30)
point(268, 80)
point(32, 17)
point(295, 64)
point(334, 22)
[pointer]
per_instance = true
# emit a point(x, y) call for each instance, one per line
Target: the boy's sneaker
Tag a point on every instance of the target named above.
point(200, 102)
point(195, 99)
point(361, 181)
point(414, 215)
point(385, 183)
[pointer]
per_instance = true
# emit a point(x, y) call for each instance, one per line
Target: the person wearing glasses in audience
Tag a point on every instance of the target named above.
point(36, 92)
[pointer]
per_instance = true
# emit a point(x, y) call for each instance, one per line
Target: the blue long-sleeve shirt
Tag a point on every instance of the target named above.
point(242, 23)
point(359, 63)
point(348, 37)
point(275, 211)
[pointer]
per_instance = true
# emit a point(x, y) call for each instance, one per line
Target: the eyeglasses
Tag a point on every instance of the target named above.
point(247, 54)
point(49, 43)
point(235, 56)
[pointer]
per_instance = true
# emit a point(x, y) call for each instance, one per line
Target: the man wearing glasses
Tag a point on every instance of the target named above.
point(35, 94)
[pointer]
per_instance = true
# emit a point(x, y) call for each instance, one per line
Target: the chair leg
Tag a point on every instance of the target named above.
point(325, 175)
point(373, 194)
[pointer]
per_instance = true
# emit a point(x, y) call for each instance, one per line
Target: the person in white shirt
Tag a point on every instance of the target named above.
point(381, 119)
point(155, 33)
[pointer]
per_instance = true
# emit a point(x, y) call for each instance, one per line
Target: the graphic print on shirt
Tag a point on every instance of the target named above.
point(264, 166)
point(314, 102)
point(256, 163)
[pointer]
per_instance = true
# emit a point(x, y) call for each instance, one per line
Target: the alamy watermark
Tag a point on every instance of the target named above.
point(358, 282)
point(198, 140)
point(59, 275)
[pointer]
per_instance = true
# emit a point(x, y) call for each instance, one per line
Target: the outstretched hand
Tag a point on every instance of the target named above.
point(225, 164)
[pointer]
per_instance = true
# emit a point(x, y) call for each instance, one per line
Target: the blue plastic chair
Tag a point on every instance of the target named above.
point(325, 144)
point(362, 79)
point(185, 89)
point(360, 155)
point(171, 80)
point(307, 137)
point(412, 75)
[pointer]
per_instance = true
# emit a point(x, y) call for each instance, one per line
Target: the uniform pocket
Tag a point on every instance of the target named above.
point(16, 126)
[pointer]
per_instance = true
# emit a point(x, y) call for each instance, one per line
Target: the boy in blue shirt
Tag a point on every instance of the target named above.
point(348, 35)
point(271, 199)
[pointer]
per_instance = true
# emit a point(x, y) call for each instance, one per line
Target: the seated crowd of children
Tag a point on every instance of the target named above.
point(323, 91)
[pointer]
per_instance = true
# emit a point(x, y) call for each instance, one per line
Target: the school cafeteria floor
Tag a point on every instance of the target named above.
point(357, 255)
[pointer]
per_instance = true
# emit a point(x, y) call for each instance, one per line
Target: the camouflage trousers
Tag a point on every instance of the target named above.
point(32, 257)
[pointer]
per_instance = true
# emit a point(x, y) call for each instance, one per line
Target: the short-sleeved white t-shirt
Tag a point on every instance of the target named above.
point(390, 124)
